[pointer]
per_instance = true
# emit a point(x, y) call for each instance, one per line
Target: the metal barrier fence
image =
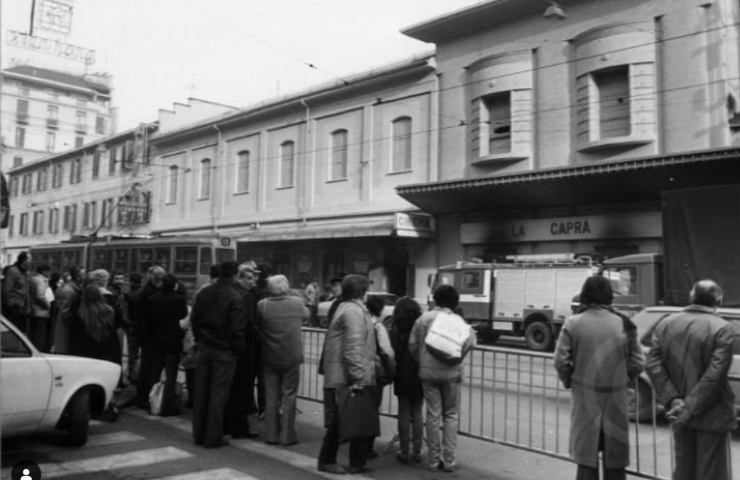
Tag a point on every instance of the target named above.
point(514, 397)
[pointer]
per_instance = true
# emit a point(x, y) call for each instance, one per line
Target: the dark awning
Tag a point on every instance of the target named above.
point(640, 179)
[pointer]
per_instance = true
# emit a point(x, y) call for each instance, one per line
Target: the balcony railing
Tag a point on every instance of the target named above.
point(81, 128)
point(52, 123)
point(21, 117)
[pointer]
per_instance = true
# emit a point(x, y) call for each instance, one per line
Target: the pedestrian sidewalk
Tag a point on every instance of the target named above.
point(477, 458)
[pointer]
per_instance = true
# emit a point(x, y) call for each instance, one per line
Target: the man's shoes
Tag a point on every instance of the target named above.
point(402, 457)
point(362, 469)
point(416, 457)
point(436, 467)
point(245, 435)
point(331, 468)
point(449, 467)
point(372, 454)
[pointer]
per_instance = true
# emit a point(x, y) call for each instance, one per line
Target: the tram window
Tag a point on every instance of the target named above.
point(121, 260)
point(145, 259)
point(101, 259)
point(225, 255)
point(206, 260)
point(186, 260)
point(162, 257)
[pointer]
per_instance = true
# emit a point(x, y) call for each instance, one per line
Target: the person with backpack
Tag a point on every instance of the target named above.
point(440, 339)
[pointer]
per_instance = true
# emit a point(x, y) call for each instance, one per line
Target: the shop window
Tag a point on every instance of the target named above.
point(401, 147)
point(338, 166)
point(287, 164)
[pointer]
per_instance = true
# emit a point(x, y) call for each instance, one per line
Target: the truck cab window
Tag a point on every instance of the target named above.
point(472, 282)
point(622, 279)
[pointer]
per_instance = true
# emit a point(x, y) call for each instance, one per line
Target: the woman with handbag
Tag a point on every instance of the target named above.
point(348, 363)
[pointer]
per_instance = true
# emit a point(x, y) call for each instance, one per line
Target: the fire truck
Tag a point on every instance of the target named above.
point(528, 296)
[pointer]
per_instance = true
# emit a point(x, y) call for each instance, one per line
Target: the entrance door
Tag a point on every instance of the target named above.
point(395, 262)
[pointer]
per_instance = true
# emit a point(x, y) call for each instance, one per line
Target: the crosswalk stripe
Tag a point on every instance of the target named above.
point(294, 459)
point(110, 462)
point(97, 440)
point(218, 474)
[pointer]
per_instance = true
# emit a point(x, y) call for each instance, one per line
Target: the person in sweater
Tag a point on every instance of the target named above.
point(280, 317)
point(407, 384)
point(41, 296)
point(440, 382)
point(218, 322)
point(167, 308)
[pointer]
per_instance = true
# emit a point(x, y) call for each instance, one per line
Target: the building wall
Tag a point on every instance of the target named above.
point(683, 67)
point(115, 179)
point(36, 124)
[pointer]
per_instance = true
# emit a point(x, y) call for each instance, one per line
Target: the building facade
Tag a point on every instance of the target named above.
point(102, 188)
point(46, 111)
point(559, 136)
point(306, 183)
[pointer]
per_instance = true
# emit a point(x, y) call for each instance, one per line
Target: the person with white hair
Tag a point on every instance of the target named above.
point(280, 318)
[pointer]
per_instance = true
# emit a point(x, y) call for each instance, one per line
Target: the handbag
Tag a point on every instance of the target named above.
point(446, 337)
point(385, 366)
point(358, 414)
point(156, 398)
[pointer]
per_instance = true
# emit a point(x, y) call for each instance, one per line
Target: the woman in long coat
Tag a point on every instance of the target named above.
point(598, 356)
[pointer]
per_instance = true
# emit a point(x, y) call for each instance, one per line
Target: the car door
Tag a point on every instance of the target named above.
point(25, 383)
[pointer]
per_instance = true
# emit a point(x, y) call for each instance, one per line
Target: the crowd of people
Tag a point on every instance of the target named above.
point(242, 336)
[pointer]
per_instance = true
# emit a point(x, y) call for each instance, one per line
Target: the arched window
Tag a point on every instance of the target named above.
point(338, 166)
point(242, 171)
point(205, 178)
point(401, 149)
point(172, 185)
point(287, 164)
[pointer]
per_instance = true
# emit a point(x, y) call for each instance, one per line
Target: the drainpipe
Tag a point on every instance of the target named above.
point(222, 177)
point(306, 187)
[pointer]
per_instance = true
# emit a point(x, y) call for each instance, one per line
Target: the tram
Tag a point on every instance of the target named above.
point(188, 257)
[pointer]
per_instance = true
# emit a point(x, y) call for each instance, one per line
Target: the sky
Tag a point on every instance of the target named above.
point(237, 52)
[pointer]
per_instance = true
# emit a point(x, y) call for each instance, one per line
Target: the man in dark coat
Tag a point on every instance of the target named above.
point(132, 342)
point(218, 322)
point(143, 332)
point(688, 363)
point(68, 299)
point(241, 397)
point(166, 308)
point(15, 296)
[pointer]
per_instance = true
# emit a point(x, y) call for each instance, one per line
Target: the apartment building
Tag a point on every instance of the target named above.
point(46, 111)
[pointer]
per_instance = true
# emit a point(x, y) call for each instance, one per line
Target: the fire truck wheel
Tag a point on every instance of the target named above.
point(538, 336)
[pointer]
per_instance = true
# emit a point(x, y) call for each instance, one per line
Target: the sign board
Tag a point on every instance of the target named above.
point(53, 16)
point(414, 225)
point(51, 47)
point(586, 227)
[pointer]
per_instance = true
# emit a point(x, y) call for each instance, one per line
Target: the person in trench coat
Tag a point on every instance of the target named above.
point(597, 356)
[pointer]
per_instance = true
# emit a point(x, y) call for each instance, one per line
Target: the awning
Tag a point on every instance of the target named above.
point(641, 179)
point(399, 224)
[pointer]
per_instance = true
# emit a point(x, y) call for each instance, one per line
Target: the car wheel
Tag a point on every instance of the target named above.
point(538, 336)
point(640, 402)
point(78, 412)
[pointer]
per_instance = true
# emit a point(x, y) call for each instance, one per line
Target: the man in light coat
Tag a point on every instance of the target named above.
point(598, 356)
point(41, 296)
point(688, 363)
point(440, 383)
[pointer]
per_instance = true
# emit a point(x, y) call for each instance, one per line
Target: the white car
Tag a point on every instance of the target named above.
point(40, 392)
point(645, 320)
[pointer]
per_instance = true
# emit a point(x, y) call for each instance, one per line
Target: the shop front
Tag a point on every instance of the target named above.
point(396, 251)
